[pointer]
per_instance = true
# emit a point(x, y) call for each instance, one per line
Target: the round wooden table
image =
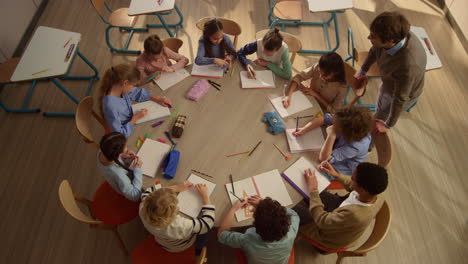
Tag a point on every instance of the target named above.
point(221, 123)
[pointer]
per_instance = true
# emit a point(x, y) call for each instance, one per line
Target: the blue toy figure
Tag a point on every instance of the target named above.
point(274, 121)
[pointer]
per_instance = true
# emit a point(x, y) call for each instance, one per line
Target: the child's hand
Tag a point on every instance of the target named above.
point(137, 163)
point(166, 68)
point(166, 102)
point(254, 200)
point(358, 80)
point(261, 62)
point(139, 115)
point(238, 205)
point(309, 91)
point(128, 155)
point(183, 186)
point(311, 180)
point(203, 191)
point(286, 101)
point(299, 132)
point(380, 126)
point(250, 72)
point(221, 63)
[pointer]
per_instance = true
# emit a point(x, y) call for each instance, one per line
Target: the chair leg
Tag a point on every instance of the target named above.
point(411, 106)
point(121, 243)
point(113, 49)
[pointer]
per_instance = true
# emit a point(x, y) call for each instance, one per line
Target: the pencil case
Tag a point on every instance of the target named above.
point(198, 90)
point(178, 127)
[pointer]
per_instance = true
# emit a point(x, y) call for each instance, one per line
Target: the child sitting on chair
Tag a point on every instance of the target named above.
point(160, 216)
point(348, 137)
point(157, 58)
point(327, 82)
point(272, 52)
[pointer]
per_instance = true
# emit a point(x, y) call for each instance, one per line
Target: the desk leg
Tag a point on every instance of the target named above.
point(91, 78)
point(169, 26)
point(23, 108)
point(65, 91)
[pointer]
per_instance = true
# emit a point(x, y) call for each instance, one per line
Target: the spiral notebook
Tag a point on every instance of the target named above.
point(155, 111)
point(169, 79)
point(295, 176)
point(190, 201)
point(268, 184)
point(310, 141)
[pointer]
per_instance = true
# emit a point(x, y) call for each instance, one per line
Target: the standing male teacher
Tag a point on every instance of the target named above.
point(402, 63)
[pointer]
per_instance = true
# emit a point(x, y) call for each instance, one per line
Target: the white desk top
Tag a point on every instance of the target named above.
point(141, 7)
point(46, 51)
point(329, 5)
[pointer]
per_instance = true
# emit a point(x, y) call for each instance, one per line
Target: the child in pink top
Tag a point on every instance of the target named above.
point(156, 58)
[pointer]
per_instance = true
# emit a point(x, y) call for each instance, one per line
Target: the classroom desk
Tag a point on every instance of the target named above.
point(221, 123)
point(159, 8)
point(44, 60)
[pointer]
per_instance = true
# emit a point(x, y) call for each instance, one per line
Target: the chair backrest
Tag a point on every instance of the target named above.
point(173, 43)
point(67, 198)
point(294, 43)
point(230, 27)
point(97, 4)
point(383, 146)
point(381, 227)
point(7, 69)
point(359, 92)
point(83, 115)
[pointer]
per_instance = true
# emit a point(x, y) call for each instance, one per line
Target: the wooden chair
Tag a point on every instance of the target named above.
point(6, 71)
point(149, 252)
point(359, 92)
point(230, 27)
point(118, 19)
point(83, 120)
point(294, 43)
point(173, 43)
point(383, 145)
point(358, 58)
point(381, 227)
point(69, 199)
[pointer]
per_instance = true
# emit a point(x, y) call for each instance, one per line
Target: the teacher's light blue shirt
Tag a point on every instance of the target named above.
point(259, 251)
point(118, 110)
point(346, 156)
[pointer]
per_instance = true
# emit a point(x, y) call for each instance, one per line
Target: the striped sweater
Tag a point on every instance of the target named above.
point(182, 232)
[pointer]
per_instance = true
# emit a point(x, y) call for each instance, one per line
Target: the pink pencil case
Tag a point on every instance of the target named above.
point(198, 90)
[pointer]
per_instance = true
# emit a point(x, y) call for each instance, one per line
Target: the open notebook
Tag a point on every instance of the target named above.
point(152, 154)
point(190, 201)
point(264, 79)
point(299, 102)
point(310, 141)
point(433, 61)
point(168, 79)
point(209, 71)
point(155, 111)
point(268, 184)
point(295, 176)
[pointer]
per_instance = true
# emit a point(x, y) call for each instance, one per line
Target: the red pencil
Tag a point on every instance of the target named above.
point(67, 43)
point(428, 46)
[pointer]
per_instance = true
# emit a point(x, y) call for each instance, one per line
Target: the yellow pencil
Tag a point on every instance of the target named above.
point(40, 71)
point(233, 69)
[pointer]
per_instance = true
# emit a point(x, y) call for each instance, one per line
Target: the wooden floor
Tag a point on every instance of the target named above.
point(428, 186)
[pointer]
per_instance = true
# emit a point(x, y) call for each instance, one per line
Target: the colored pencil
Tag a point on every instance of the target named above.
point(157, 123)
point(236, 154)
point(169, 137)
point(40, 71)
point(428, 46)
point(236, 196)
point(284, 154)
point(306, 116)
point(232, 183)
point(67, 43)
point(201, 173)
point(297, 123)
point(233, 70)
point(153, 76)
point(256, 146)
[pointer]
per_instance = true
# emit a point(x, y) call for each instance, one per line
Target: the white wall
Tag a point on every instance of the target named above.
point(459, 11)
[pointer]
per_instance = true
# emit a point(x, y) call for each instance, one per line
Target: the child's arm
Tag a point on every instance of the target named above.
point(115, 123)
point(149, 190)
point(132, 191)
point(339, 98)
point(181, 60)
point(201, 59)
point(205, 221)
point(230, 44)
point(327, 147)
point(246, 50)
point(139, 95)
point(316, 122)
point(286, 70)
point(228, 219)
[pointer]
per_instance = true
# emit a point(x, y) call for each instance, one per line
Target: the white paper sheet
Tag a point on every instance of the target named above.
point(155, 111)
point(433, 61)
point(190, 201)
point(264, 79)
point(152, 154)
point(310, 141)
point(169, 79)
point(299, 102)
point(209, 71)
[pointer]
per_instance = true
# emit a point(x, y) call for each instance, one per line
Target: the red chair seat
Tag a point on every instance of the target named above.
point(242, 259)
point(149, 251)
point(319, 246)
point(111, 207)
point(335, 185)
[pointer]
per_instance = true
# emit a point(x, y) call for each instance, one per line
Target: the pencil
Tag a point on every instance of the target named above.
point(254, 148)
point(236, 196)
point(297, 123)
point(67, 43)
point(153, 76)
point(232, 183)
point(233, 69)
point(40, 71)
point(201, 173)
point(236, 154)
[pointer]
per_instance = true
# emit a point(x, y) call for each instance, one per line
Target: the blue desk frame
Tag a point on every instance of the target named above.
point(164, 24)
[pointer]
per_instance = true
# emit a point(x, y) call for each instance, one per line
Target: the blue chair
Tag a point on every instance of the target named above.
point(121, 20)
point(289, 13)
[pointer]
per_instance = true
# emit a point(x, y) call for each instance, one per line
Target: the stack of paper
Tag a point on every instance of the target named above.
point(168, 79)
point(433, 61)
point(299, 102)
point(190, 201)
point(209, 71)
point(152, 154)
point(263, 79)
point(310, 141)
point(268, 184)
point(155, 111)
point(295, 176)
